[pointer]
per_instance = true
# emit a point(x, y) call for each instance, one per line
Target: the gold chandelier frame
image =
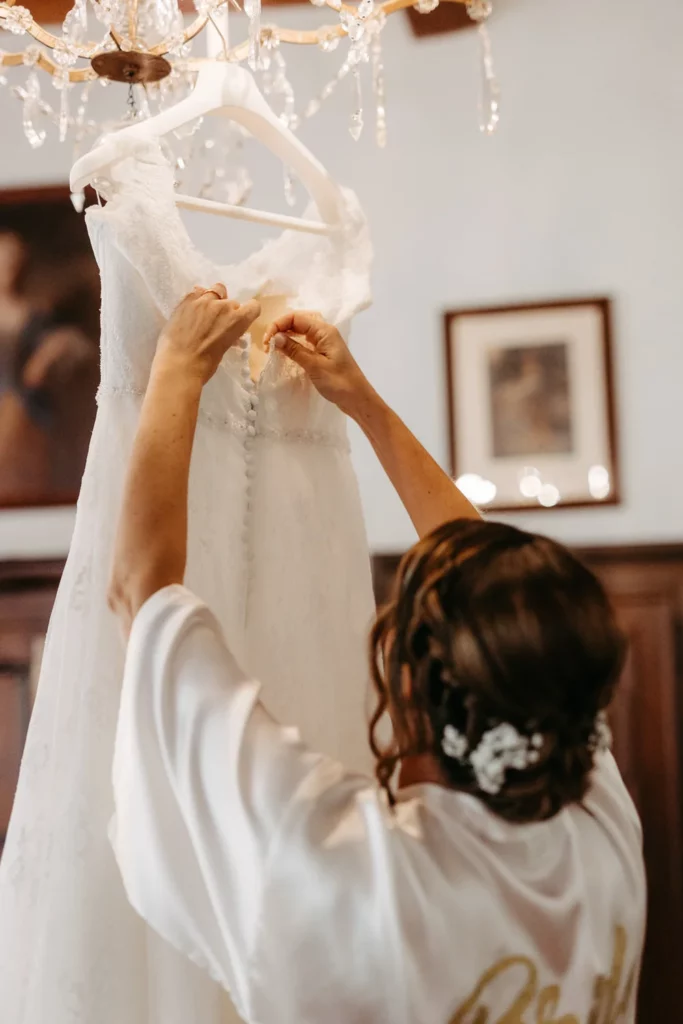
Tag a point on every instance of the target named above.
point(87, 51)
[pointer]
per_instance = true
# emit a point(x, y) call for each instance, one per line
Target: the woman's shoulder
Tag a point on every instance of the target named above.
point(609, 803)
point(344, 824)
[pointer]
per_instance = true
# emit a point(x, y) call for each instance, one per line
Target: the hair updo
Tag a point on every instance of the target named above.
point(489, 624)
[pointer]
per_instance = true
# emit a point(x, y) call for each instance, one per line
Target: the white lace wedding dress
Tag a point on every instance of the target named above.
point(277, 549)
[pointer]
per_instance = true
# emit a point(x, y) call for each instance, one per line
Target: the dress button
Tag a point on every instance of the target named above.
point(251, 414)
point(251, 431)
point(249, 470)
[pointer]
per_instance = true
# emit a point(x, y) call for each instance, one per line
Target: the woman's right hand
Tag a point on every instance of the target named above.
point(328, 362)
point(202, 329)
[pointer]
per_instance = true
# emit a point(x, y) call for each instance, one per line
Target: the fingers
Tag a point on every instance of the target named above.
point(196, 293)
point(300, 322)
point(303, 322)
point(219, 290)
point(216, 291)
point(296, 352)
point(225, 312)
point(237, 318)
point(248, 313)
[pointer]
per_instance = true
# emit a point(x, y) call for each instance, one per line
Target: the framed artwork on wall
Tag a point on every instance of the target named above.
point(532, 419)
point(49, 347)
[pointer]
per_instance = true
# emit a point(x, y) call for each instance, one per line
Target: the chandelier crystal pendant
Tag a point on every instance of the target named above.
point(148, 45)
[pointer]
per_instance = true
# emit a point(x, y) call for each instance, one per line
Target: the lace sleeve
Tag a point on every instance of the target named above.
point(328, 273)
point(146, 228)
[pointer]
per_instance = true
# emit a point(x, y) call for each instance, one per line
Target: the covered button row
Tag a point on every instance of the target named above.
point(251, 415)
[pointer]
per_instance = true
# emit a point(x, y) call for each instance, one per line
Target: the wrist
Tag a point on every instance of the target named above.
point(365, 405)
point(177, 368)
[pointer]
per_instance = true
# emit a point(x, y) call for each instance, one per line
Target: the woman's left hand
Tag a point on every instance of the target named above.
point(202, 329)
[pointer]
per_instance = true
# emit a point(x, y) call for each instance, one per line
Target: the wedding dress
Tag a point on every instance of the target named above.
point(277, 549)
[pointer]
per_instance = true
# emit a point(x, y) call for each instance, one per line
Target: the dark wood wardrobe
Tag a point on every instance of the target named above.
point(646, 586)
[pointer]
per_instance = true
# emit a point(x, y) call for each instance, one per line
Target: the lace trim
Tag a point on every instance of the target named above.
point(330, 274)
point(240, 427)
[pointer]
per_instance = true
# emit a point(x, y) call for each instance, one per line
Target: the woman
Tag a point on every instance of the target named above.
point(500, 878)
point(49, 368)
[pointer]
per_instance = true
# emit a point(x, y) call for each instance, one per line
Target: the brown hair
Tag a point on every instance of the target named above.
point(490, 624)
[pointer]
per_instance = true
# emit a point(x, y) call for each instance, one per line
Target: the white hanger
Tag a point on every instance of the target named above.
point(227, 89)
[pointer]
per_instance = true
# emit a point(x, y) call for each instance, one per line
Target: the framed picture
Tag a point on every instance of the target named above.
point(49, 347)
point(531, 405)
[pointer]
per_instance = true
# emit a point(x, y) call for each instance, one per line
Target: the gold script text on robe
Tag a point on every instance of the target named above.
point(539, 1006)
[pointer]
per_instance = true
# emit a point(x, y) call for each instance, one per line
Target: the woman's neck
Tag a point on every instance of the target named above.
point(419, 769)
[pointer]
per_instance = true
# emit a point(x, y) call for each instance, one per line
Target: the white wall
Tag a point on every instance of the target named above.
point(578, 193)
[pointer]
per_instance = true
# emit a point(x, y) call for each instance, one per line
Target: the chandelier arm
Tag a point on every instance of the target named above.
point(310, 37)
point(296, 37)
point(41, 35)
point(188, 35)
point(86, 50)
point(133, 22)
point(16, 60)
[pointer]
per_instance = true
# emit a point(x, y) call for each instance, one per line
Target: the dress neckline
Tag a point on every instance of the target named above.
point(326, 273)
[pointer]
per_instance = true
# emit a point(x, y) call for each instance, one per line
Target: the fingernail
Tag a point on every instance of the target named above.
point(278, 341)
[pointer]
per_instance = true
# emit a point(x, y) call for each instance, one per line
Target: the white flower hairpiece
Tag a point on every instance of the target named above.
point(503, 747)
point(600, 739)
point(454, 744)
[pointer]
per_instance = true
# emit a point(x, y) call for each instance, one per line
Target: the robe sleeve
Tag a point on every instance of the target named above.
point(203, 779)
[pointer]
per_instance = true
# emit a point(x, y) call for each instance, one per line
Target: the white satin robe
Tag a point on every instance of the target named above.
point(290, 881)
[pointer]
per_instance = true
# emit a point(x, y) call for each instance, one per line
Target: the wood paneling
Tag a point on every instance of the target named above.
point(646, 588)
point(14, 701)
point(445, 18)
point(27, 593)
point(49, 12)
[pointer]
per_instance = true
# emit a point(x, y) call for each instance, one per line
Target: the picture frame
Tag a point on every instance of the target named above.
point(49, 346)
point(531, 404)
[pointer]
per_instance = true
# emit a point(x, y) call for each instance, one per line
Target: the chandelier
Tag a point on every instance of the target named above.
point(149, 46)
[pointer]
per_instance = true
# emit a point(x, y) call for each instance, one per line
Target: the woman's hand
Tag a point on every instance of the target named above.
point(429, 496)
point(329, 364)
point(202, 329)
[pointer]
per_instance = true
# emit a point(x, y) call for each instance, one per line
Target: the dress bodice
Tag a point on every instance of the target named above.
point(150, 261)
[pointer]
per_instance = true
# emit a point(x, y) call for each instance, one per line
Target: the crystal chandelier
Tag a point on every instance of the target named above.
point(148, 45)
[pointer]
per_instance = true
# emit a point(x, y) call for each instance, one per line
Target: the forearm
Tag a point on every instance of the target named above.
point(151, 544)
point(430, 497)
